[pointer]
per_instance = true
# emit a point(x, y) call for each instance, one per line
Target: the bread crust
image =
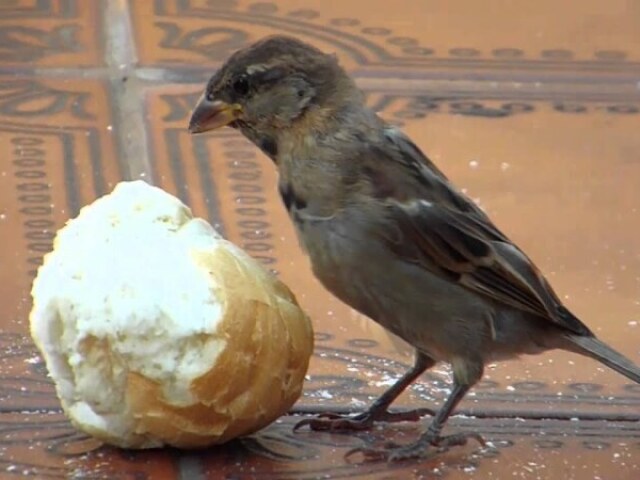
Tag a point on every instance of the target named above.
point(265, 341)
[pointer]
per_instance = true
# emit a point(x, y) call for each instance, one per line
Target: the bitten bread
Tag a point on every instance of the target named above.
point(157, 331)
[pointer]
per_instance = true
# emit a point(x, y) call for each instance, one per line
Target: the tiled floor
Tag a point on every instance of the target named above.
point(533, 107)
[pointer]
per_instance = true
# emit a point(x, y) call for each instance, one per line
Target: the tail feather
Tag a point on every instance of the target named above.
point(602, 352)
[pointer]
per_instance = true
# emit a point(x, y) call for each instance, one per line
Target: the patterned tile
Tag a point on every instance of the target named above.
point(591, 37)
point(531, 107)
point(44, 445)
point(522, 449)
point(59, 155)
point(47, 33)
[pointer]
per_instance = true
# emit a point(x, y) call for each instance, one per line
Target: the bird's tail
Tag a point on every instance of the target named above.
point(594, 348)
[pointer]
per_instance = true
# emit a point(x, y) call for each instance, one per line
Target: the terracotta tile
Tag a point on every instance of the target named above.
point(59, 155)
point(45, 33)
point(540, 126)
point(24, 385)
point(522, 449)
point(557, 177)
point(45, 445)
point(592, 37)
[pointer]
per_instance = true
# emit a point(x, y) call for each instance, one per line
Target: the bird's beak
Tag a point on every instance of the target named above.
point(212, 114)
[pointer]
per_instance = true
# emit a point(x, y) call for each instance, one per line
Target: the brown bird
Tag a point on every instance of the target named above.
point(388, 233)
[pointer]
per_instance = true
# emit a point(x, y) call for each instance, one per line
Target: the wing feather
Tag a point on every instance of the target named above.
point(445, 232)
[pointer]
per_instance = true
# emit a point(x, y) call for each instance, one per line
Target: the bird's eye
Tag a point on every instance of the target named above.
point(241, 85)
point(210, 96)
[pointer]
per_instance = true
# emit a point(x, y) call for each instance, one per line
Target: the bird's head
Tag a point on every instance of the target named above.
point(272, 86)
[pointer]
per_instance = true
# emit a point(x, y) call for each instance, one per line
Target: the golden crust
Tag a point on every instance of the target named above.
point(257, 377)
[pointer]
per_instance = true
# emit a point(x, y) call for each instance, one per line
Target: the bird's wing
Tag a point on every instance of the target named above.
point(442, 230)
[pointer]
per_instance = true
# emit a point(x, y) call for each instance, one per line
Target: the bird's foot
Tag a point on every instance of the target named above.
point(421, 449)
point(333, 422)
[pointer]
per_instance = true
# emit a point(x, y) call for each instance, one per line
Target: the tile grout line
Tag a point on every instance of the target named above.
point(126, 91)
point(409, 79)
point(190, 467)
point(128, 114)
point(128, 80)
point(481, 412)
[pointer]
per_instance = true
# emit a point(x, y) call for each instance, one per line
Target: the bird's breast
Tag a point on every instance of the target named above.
point(350, 258)
point(341, 253)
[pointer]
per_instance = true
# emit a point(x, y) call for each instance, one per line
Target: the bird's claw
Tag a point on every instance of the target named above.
point(389, 453)
point(369, 454)
point(458, 440)
point(333, 422)
point(418, 450)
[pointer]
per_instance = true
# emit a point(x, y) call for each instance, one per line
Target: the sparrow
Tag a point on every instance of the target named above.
point(389, 234)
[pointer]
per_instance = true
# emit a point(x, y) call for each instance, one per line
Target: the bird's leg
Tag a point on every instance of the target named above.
point(429, 438)
point(378, 412)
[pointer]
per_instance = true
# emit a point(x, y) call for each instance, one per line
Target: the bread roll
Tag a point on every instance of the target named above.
point(157, 331)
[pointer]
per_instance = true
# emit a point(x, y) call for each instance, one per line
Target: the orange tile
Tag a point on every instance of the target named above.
point(540, 125)
point(60, 33)
point(59, 155)
point(24, 385)
point(590, 36)
point(535, 166)
point(45, 445)
point(527, 450)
